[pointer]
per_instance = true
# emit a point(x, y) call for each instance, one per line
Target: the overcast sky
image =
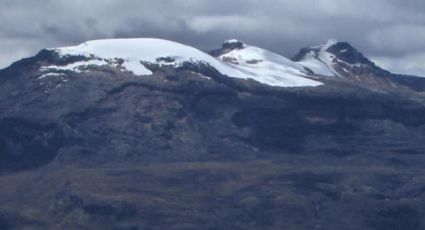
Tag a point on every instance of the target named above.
point(390, 32)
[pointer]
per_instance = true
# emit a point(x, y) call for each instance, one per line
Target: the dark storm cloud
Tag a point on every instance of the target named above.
point(386, 30)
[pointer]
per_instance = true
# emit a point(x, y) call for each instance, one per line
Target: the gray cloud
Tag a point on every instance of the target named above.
point(386, 30)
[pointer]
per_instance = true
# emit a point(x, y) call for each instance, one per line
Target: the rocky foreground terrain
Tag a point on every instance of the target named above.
point(183, 145)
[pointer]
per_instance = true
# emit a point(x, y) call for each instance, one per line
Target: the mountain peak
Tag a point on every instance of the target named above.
point(329, 43)
point(233, 44)
point(133, 51)
point(342, 51)
point(345, 52)
point(342, 59)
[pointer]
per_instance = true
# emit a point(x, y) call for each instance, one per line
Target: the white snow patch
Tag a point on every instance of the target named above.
point(328, 59)
point(76, 66)
point(49, 75)
point(233, 41)
point(328, 44)
point(136, 67)
point(317, 67)
point(320, 61)
point(393, 85)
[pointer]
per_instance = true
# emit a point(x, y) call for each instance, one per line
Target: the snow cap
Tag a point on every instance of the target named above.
point(329, 43)
point(233, 44)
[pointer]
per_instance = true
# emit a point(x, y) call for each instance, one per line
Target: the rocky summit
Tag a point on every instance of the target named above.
point(152, 134)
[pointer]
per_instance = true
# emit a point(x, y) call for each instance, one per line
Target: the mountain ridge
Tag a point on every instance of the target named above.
point(348, 63)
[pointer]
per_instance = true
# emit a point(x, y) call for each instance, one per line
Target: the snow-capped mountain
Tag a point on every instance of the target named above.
point(318, 59)
point(311, 67)
point(340, 59)
point(135, 54)
point(251, 57)
point(270, 67)
point(149, 133)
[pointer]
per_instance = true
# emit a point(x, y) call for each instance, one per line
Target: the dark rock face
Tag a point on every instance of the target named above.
point(345, 52)
point(14, 220)
point(396, 217)
point(188, 148)
point(227, 46)
point(24, 145)
point(233, 44)
point(341, 50)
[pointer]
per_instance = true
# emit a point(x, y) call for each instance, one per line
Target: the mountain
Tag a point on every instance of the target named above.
point(271, 68)
point(153, 134)
point(345, 62)
point(239, 53)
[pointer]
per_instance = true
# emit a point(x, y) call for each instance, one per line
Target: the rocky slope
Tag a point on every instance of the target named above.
point(151, 134)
